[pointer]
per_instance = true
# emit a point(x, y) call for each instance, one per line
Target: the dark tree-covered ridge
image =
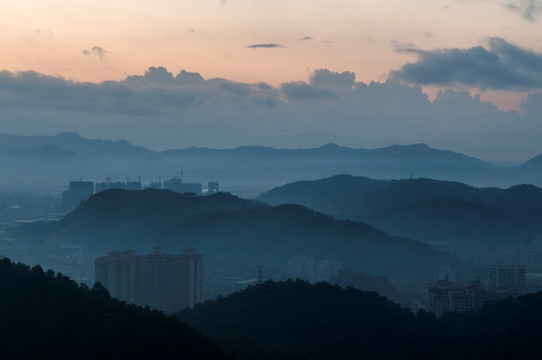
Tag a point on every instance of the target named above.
point(47, 315)
point(297, 320)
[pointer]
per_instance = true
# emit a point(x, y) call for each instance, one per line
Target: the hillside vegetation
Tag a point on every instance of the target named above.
point(424, 209)
point(229, 230)
point(47, 315)
point(297, 320)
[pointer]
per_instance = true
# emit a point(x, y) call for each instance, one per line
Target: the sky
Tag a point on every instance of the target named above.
point(454, 74)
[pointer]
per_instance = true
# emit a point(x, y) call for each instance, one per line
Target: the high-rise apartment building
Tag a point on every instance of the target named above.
point(510, 278)
point(299, 267)
point(165, 282)
point(78, 191)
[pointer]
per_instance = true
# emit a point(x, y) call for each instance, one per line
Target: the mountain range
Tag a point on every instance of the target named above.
point(425, 209)
point(48, 163)
point(233, 234)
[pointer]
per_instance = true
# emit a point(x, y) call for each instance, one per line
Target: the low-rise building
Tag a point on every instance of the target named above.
point(446, 296)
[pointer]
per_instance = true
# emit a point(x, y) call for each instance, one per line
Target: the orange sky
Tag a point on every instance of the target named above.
point(211, 37)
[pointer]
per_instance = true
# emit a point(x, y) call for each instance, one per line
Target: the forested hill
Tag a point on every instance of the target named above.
point(230, 230)
point(296, 320)
point(424, 209)
point(119, 218)
point(48, 316)
point(152, 206)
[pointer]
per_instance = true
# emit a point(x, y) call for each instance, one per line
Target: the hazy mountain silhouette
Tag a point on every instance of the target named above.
point(72, 142)
point(424, 209)
point(529, 172)
point(393, 161)
point(48, 163)
point(49, 152)
point(229, 230)
point(252, 168)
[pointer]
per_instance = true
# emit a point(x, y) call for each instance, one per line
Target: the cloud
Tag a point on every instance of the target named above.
point(160, 76)
point(186, 77)
point(306, 38)
point(528, 9)
point(161, 109)
point(98, 51)
point(300, 90)
point(266, 46)
point(323, 84)
point(501, 66)
point(333, 79)
point(152, 76)
point(404, 47)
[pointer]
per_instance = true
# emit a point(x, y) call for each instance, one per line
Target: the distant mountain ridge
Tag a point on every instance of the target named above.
point(72, 142)
point(245, 170)
point(415, 150)
point(46, 152)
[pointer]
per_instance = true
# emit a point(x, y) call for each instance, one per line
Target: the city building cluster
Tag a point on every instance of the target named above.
point(446, 295)
point(82, 190)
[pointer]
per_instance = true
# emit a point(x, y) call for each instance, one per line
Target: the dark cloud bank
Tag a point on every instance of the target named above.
point(164, 110)
point(502, 66)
